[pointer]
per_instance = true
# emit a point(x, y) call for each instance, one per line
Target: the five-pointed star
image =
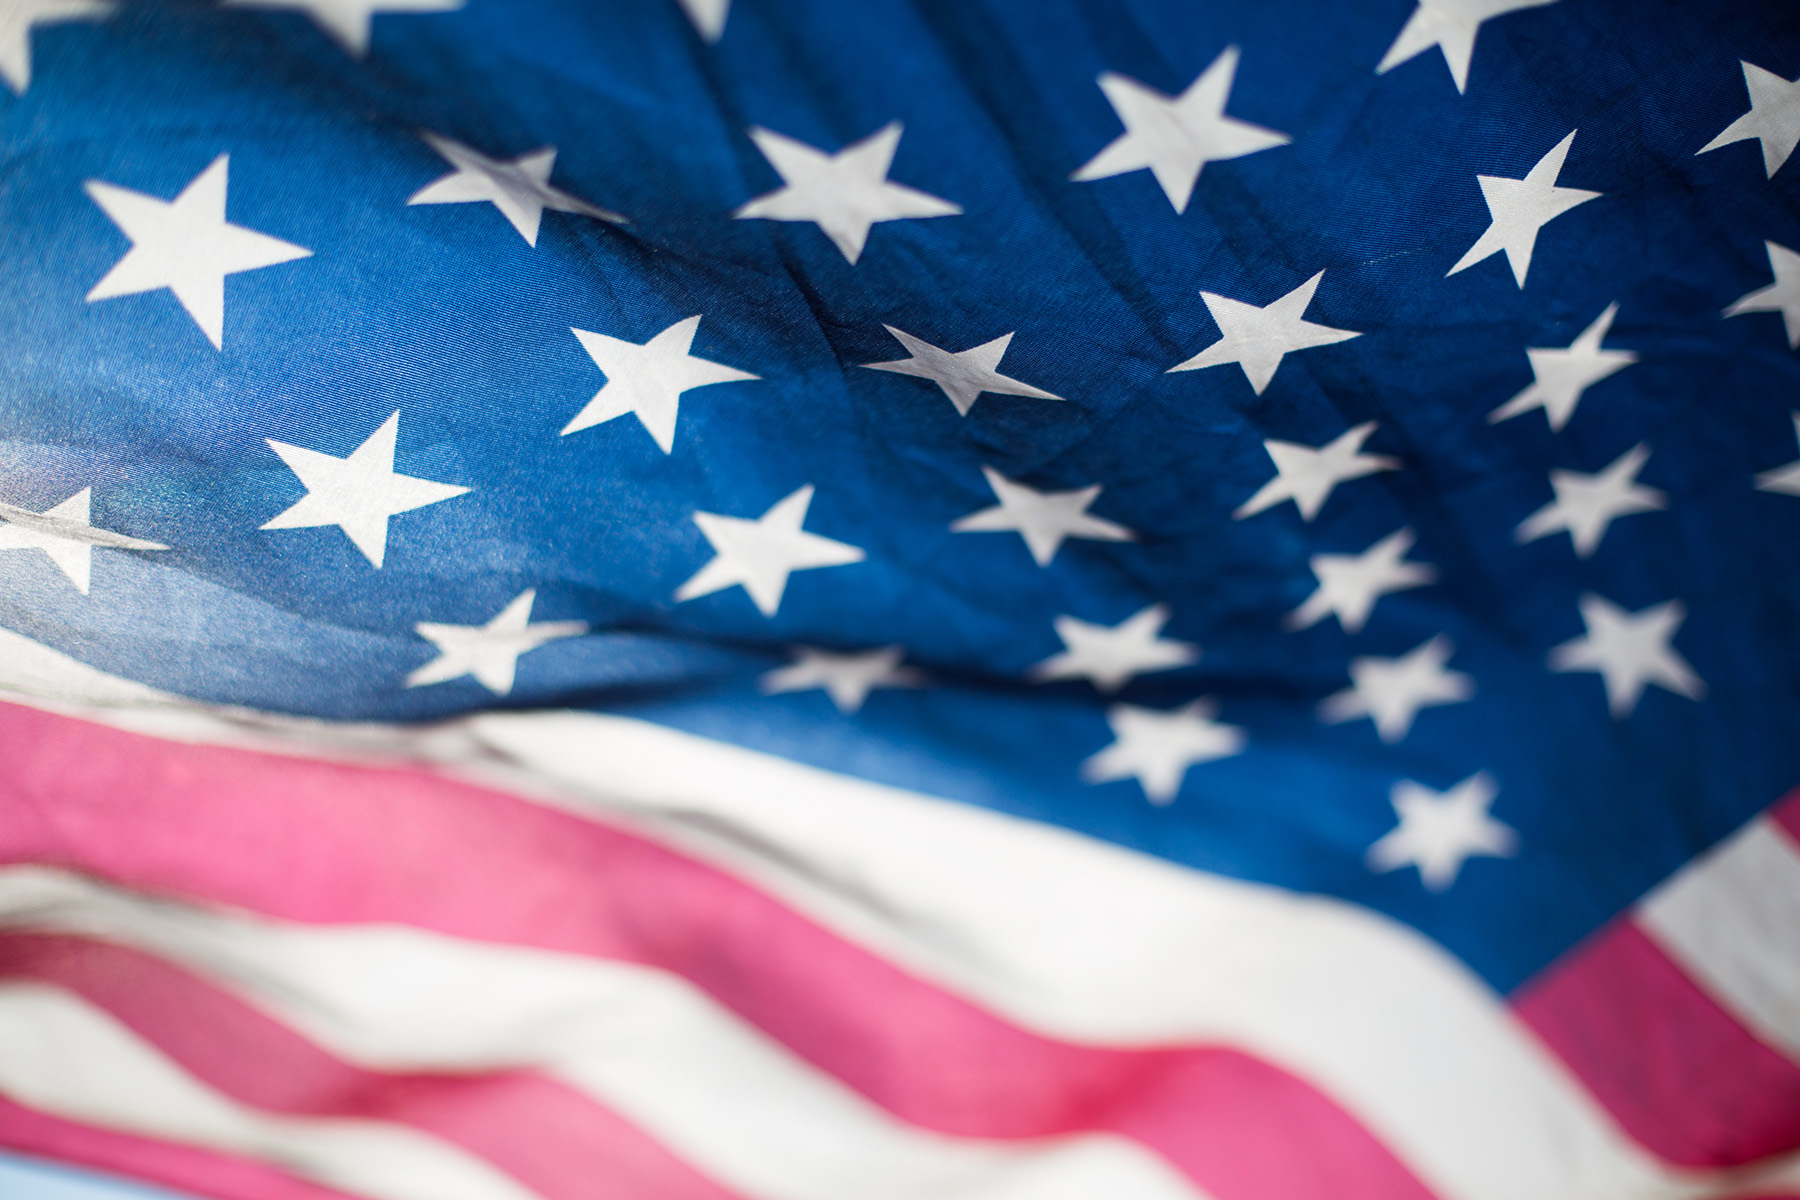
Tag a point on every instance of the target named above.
point(1586, 504)
point(1307, 474)
point(1174, 137)
point(1350, 584)
point(489, 652)
point(1391, 691)
point(648, 379)
point(1438, 831)
point(1785, 480)
point(1451, 26)
point(1519, 208)
point(347, 21)
point(1629, 650)
point(17, 17)
point(1157, 746)
point(1043, 519)
point(847, 678)
point(1782, 296)
point(1562, 376)
point(761, 554)
point(357, 493)
point(1110, 655)
point(519, 188)
point(1773, 119)
point(185, 245)
point(1257, 339)
point(65, 533)
point(962, 374)
point(844, 194)
point(708, 16)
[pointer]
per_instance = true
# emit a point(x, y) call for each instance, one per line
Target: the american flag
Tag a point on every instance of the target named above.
point(902, 599)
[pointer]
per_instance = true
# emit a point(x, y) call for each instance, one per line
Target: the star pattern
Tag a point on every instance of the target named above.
point(1452, 26)
point(1257, 339)
point(489, 652)
point(66, 535)
point(1391, 691)
point(357, 493)
point(519, 188)
point(1519, 208)
point(847, 678)
point(1782, 296)
point(1157, 746)
point(1174, 137)
point(708, 16)
point(1350, 584)
point(1562, 377)
point(1773, 120)
point(185, 245)
point(1308, 475)
point(1439, 831)
point(348, 22)
point(1785, 480)
point(1044, 519)
point(648, 380)
point(759, 555)
point(1112, 655)
point(962, 374)
point(1586, 505)
point(844, 194)
point(19, 17)
point(1629, 651)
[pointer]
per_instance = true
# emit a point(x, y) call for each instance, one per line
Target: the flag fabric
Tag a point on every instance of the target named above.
point(979, 599)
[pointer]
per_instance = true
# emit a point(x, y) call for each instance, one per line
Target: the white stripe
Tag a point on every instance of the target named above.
point(61, 1056)
point(642, 1042)
point(1732, 918)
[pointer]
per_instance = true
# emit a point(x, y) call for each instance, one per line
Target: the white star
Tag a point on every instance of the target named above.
point(64, 533)
point(1521, 207)
point(1438, 831)
point(1350, 584)
point(761, 554)
point(519, 188)
point(1307, 475)
point(1156, 746)
point(489, 652)
point(1562, 376)
point(18, 17)
point(185, 245)
point(1782, 296)
point(844, 194)
point(1451, 26)
point(347, 21)
point(846, 678)
point(648, 379)
point(1773, 119)
point(708, 16)
point(1391, 691)
point(1257, 339)
point(1111, 655)
point(962, 374)
point(1174, 137)
point(1043, 519)
point(1586, 504)
point(1629, 650)
point(357, 493)
point(1785, 480)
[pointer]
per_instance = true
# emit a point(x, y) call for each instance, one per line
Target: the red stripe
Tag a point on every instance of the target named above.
point(327, 843)
point(554, 1140)
point(1679, 1072)
point(1786, 814)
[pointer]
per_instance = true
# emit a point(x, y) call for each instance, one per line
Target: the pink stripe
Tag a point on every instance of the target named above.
point(1786, 814)
point(553, 1140)
point(329, 843)
point(200, 1172)
point(1677, 1071)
